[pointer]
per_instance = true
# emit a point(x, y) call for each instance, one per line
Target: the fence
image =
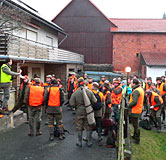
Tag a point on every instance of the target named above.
point(21, 47)
point(124, 147)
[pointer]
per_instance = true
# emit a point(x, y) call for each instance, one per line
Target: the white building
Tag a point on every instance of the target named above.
point(35, 47)
point(153, 65)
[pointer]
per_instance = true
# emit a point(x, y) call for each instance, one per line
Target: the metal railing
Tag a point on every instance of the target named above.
point(21, 47)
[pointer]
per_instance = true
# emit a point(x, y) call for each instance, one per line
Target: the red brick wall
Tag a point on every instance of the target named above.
point(127, 45)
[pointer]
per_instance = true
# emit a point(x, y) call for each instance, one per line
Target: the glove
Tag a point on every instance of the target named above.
point(151, 107)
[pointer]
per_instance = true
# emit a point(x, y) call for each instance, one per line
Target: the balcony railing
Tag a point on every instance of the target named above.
point(23, 48)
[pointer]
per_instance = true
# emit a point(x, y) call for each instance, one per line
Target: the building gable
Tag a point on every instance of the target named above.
point(88, 31)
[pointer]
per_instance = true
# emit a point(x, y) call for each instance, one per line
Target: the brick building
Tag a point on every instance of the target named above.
point(133, 39)
point(115, 42)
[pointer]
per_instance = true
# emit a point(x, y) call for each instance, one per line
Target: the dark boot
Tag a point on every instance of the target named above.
point(61, 134)
point(159, 124)
point(51, 131)
point(79, 143)
point(38, 133)
point(31, 125)
point(51, 138)
point(89, 137)
point(137, 136)
point(99, 130)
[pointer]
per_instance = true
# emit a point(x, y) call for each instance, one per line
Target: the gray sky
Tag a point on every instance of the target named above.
point(111, 8)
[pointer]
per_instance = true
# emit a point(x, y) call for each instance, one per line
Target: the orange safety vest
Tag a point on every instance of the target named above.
point(102, 83)
point(54, 96)
point(89, 85)
point(45, 84)
point(137, 109)
point(100, 94)
point(36, 96)
point(147, 86)
point(116, 99)
point(105, 97)
point(153, 102)
point(33, 83)
point(160, 88)
point(75, 83)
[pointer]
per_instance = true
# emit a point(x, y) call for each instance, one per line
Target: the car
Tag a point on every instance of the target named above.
point(96, 76)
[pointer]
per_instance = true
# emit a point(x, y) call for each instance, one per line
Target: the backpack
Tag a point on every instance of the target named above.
point(98, 104)
point(145, 124)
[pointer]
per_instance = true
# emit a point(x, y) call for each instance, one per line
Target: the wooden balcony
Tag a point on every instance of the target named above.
point(23, 49)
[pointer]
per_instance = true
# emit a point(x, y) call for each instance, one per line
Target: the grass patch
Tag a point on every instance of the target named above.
point(152, 146)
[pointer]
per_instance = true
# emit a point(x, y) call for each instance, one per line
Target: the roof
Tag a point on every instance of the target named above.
point(92, 4)
point(154, 59)
point(139, 25)
point(34, 14)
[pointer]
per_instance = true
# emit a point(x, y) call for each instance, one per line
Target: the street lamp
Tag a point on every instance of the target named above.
point(128, 70)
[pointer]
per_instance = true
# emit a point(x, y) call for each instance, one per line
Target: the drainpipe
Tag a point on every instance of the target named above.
point(63, 40)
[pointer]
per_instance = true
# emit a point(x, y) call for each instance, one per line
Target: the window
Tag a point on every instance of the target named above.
point(49, 41)
point(31, 35)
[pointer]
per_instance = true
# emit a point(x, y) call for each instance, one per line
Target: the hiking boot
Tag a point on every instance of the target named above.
point(89, 137)
point(38, 133)
point(31, 124)
point(51, 138)
point(79, 143)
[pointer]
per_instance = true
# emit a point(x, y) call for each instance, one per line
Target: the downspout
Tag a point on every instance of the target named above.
point(63, 40)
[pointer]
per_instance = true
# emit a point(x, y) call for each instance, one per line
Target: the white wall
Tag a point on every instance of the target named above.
point(42, 34)
point(155, 72)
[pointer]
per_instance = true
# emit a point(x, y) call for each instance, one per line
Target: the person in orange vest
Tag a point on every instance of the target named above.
point(148, 83)
point(21, 101)
point(34, 97)
point(89, 84)
point(54, 97)
point(48, 81)
point(107, 98)
point(60, 83)
point(162, 88)
point(155, 102)
point(135, 108)
point(33, 81)
point(101, 83)
point(53, 76)
point(154, 89)
point(85, 78)
point(116, 97)
point(72, 85)
point(99, 109)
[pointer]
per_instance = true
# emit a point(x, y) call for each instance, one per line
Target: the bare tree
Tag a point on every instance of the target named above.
point(12, 18)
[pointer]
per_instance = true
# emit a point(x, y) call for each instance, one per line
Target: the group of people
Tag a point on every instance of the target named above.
point(104, 102)
point(141, 96)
